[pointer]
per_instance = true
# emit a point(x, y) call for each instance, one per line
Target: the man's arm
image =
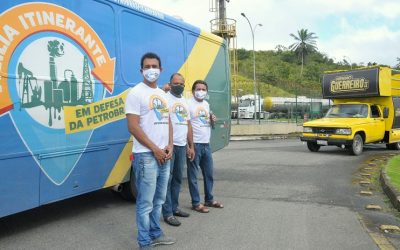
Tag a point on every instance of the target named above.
point(135, 129)
point(170, 148)
point(190, 145)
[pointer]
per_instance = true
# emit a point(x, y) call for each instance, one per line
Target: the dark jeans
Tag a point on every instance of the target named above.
point(203, 160)
point(175, 180)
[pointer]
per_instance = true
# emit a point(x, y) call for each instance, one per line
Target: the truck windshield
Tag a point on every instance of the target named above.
point(348, 110)
point(245, 103)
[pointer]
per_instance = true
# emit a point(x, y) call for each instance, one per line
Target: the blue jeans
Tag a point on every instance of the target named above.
point(203, 160)
point(178, 160)
point(151, 184)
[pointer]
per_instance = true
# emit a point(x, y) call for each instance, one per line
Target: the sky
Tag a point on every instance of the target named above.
point(359, 31)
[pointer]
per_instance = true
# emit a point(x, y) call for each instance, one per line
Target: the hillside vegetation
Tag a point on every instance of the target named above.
point(278, 72)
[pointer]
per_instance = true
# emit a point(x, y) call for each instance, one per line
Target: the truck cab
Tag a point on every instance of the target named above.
point(250, 108)
point(366, 109)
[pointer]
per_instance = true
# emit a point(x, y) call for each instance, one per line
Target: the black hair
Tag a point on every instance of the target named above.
point(199, 82)
point(149, 55)
point(176, 74)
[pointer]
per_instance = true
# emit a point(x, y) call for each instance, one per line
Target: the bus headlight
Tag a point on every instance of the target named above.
point(307, 130)
point(343, 131)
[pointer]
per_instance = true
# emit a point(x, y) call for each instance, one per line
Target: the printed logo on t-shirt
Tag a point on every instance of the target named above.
point(159, 106)
point(202, 114)
point(180, 111)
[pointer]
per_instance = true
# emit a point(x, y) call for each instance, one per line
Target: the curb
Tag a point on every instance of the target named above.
point(262, 137)
point(389, 190)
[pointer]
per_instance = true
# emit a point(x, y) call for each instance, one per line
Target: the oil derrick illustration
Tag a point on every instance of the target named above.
point(87, 87)
point(53, 97)
point(69, 92)
point(30, 93)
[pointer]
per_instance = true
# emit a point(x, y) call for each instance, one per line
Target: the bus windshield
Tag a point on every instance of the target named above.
point(348, 111)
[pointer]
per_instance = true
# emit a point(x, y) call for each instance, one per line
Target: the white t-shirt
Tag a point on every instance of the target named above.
point(200, 120)
point(179, 113)
point(151, 105)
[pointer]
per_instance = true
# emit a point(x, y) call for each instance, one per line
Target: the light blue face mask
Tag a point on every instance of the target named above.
point(200, 94)
point(151, 74)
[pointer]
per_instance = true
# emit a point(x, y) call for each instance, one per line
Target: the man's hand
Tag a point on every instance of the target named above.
point(160, 156)
point(213, 118)
point(190, 153)
point(168, 150)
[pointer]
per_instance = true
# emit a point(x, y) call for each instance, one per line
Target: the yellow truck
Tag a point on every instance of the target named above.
point(366, 109)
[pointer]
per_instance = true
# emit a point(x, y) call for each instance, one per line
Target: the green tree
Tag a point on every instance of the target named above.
point(243, 54)
point(304, 45)
point(398, 63)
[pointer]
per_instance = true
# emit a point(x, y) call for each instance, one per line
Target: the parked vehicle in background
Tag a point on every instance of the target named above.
point(279, 107)
point(248, 106)
point(366, 109)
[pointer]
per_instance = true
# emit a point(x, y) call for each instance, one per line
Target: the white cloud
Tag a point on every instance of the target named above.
point(369, 27)
point(388, 9)
point(378, 45)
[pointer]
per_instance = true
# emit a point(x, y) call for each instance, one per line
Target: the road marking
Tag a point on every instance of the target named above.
point(386, 228)
point(373, 207)
point(380, 240)
point(365, 192)
point(364, 183)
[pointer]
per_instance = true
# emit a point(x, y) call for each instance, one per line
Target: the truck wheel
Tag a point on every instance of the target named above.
point(313, 146)
point(357, 146)
point(393, 146)
point(129, 191)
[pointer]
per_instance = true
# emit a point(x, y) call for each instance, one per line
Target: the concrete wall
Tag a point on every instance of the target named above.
point(265, 129)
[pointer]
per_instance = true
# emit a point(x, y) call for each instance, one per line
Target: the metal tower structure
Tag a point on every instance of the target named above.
point(226, 28)
point(87, 85)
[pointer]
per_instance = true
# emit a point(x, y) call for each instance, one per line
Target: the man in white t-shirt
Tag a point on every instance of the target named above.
point(201, 119)
point(183, 148)
point(148, 119)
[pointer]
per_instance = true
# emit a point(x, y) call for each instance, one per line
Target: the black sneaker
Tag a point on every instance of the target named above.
point(180, 213)
point(172, 221)
point(163, 240)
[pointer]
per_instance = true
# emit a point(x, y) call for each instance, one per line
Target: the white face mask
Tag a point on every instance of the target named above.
point(200, 94)
point(151, 74)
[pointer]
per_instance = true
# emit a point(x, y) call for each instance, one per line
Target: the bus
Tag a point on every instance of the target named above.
point(65, 70)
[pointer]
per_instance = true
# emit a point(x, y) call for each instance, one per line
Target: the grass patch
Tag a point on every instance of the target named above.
point(393, 171)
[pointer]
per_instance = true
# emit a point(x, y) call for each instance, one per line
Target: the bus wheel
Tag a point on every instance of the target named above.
point(129, 191)
point(393, 146)
point(313, 146)
point(357, 146)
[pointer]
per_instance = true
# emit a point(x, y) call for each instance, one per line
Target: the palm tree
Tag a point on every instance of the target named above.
point(304, 45)
point(398, 63)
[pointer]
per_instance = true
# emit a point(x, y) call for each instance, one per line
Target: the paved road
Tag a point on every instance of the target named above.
point(277, 194)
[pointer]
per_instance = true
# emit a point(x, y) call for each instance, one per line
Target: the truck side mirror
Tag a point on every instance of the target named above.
point(385, 112)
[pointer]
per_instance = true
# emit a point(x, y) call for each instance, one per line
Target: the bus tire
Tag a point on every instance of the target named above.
point(129, 191)
point(313, 146)
point(357, 145)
